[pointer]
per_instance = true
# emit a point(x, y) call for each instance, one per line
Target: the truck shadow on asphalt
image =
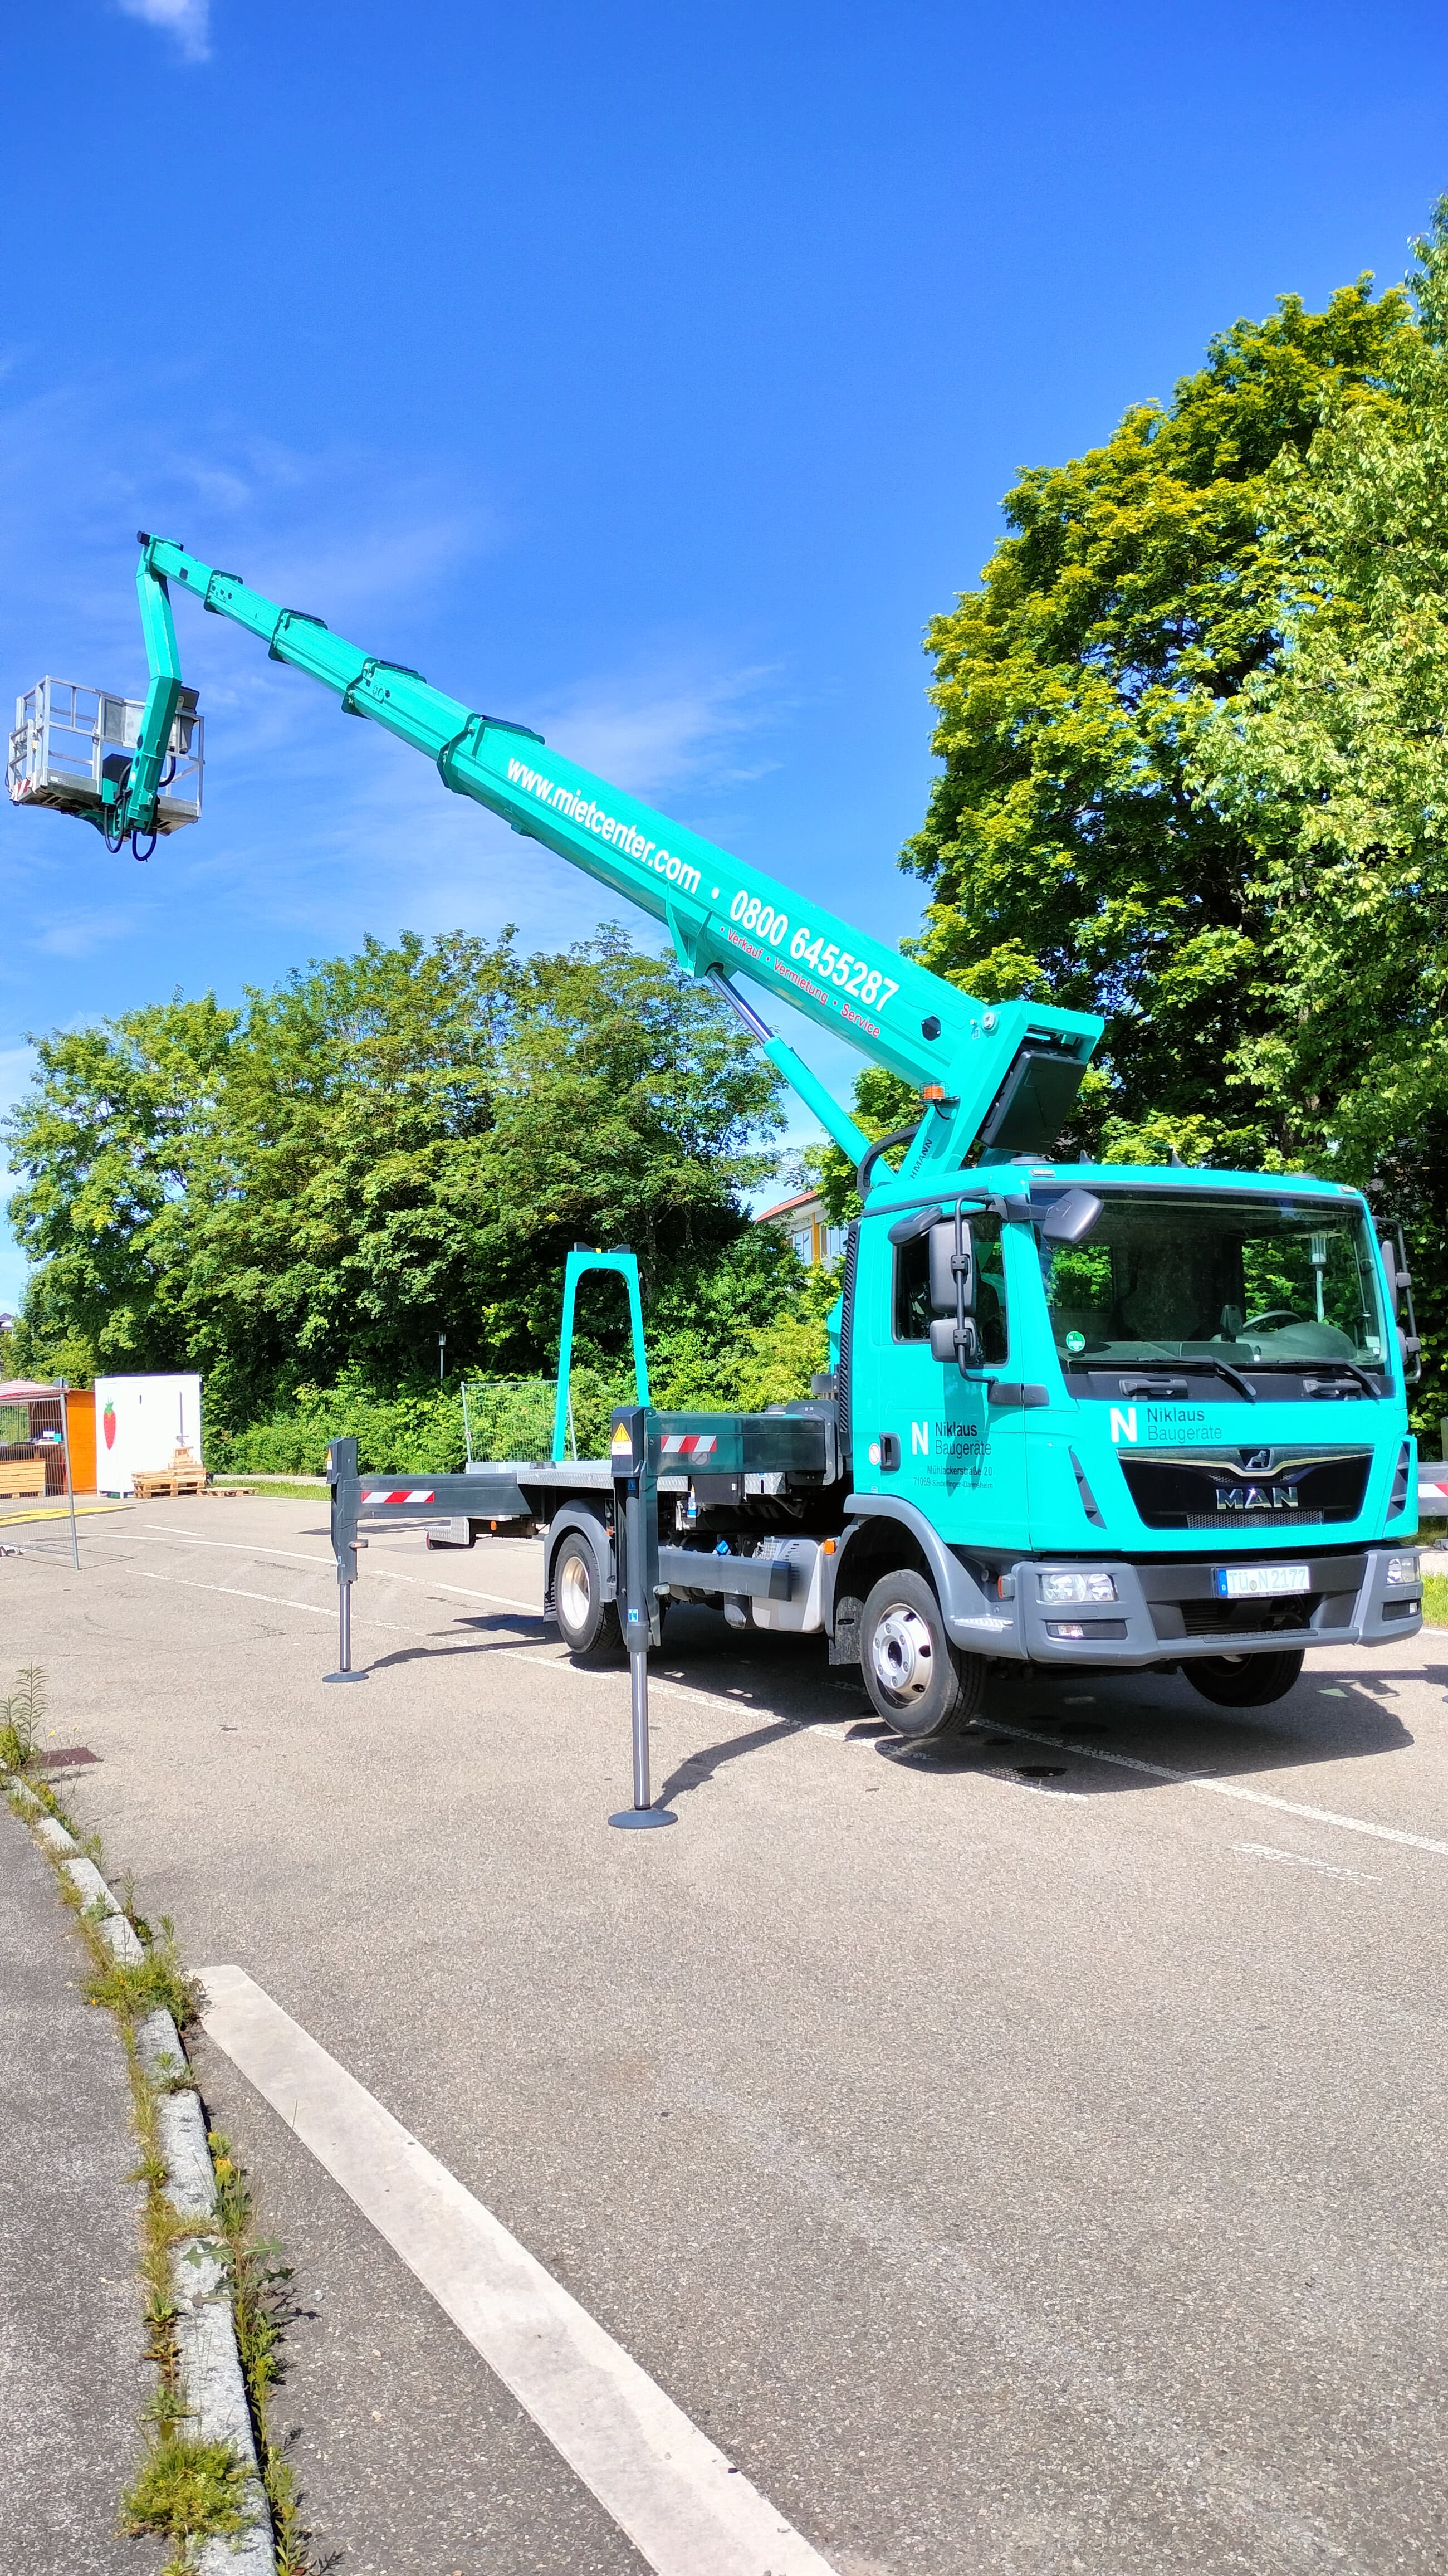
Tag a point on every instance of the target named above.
point(782, 1685)
point(1159, 1721)
point(1148, 1718)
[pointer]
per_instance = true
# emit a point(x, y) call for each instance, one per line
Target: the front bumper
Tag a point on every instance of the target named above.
point(1167, 1613)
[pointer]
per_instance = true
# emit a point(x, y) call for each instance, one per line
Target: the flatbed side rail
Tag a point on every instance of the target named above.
point(514, 1490)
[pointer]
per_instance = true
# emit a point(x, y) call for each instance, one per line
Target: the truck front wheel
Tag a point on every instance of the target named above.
point(917, 1682)
point(584, 1619)
point(1244, 1681)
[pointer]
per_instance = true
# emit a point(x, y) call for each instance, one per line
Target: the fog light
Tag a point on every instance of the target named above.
point(1082, 1584)
point(1064, 1628)
point(1402, 1569)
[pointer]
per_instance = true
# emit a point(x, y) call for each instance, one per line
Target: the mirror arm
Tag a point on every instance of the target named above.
point(967, 1342)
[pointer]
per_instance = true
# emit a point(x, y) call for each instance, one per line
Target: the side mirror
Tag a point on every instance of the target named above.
point(952, 1290)
point(1389, 1252)
point(1071, 1218)
point(952, 1341)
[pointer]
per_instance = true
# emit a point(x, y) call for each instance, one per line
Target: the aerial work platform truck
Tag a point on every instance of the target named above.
point(1077, 1416)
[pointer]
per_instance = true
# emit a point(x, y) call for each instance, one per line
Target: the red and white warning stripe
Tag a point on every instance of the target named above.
point(375, 1494)
point(688, 1444)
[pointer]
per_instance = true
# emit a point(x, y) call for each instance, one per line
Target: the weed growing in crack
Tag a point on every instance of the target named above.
point(22, 1719)
point(263, 2307)
point(156, 1983)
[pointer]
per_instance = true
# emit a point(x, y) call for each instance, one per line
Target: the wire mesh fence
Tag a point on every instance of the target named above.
point(512, 1417)
point(508, 1417)
point(32, 1436)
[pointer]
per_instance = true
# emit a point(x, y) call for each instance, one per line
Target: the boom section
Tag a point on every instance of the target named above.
point(720, 913)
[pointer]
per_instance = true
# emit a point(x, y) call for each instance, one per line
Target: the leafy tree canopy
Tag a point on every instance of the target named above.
point(1332, 764)
point(1193, 729)
point(1067, 847)
point(385, 1147)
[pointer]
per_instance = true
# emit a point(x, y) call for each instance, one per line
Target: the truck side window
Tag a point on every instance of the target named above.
point(912, 1289)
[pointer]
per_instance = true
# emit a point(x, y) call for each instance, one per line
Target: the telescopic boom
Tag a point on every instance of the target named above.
point(1001, 1076)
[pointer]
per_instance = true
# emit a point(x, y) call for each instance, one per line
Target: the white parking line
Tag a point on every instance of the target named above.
point(160, 1532)
point(560, 1661)
point(1230, 1789)
point(667, 2486)
point(274, 1600)
point(1301, 1860)
point(295, 1556)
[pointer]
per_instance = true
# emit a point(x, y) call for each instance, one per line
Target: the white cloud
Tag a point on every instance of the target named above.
point(186, 20)
point(83, 929)
point(656, 732)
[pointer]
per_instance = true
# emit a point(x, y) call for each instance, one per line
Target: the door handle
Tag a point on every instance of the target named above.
point(1004, 1390)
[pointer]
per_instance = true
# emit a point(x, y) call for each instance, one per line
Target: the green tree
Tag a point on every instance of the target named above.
point(386, 1147)
point(1068, 847)
point(112, 1144)
point(341, 1215)
point(1332, 765)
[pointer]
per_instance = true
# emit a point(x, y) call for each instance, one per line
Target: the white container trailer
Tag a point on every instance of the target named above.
point(140, 1424)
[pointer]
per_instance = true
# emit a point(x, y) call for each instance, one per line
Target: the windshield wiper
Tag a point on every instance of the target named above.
point(1220, 1367)
point(1313, 1370)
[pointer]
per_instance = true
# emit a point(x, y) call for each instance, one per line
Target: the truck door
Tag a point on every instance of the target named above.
point(921, 1430)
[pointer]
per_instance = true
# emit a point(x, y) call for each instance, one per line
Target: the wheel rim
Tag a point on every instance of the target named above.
point(575, 1592)
point(902, 1656)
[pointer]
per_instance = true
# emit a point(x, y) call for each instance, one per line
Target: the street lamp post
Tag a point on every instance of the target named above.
point(441, 1347)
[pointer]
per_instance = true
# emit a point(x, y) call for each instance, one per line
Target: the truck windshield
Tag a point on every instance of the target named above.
point(1255, 1282)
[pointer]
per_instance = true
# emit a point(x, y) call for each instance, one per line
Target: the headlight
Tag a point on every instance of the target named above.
point(1082, 1585)
point(1402, 1569)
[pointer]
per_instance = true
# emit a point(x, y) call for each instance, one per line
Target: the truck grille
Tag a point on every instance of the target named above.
point(1248, 1618)
point(1254, 1520)
point(1246, 1489)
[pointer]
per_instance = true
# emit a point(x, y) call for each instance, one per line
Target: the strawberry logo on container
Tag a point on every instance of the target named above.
point(108, 1425)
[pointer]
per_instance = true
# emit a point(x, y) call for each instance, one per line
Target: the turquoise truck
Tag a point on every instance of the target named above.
point(1077, 1416)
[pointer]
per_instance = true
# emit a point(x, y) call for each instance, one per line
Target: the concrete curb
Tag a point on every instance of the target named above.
point(208, 2359)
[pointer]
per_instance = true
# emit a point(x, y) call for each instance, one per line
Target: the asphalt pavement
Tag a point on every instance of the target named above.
point(1019, 2158)
point(72, 2373)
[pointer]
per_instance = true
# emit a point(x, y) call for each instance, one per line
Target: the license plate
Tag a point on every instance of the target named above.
point(1260, 1582)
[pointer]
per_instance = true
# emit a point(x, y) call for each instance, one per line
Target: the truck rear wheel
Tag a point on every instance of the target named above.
point(585, 1621)
point(1244, 1681)
point(916, 1680)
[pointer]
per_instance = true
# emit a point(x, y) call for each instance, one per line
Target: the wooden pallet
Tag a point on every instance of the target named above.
point(185, 1475)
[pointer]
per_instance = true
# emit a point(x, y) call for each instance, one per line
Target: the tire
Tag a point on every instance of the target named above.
point(916, 1680)
point(1243, 1681)
point(586, 1622)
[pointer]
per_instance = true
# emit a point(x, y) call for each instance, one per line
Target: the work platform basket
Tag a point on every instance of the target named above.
point(65, 737)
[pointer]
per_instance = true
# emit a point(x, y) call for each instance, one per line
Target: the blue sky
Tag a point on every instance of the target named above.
point(649, 374)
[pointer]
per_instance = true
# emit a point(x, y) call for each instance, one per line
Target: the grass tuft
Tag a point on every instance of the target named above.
point(158, 1982)
point(186, 2490)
